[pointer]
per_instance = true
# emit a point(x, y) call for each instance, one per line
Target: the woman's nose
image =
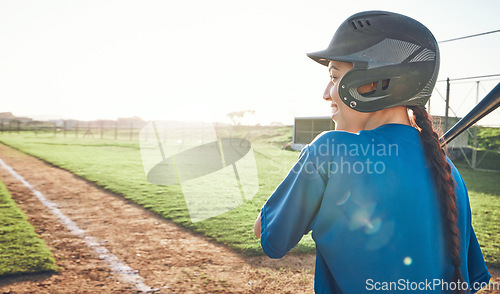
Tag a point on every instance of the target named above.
point(326, 94)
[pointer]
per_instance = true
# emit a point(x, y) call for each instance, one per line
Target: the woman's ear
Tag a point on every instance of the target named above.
point(370, 87)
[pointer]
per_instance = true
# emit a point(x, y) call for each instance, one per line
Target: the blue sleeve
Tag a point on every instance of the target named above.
point(478, 272)
point(289, 213)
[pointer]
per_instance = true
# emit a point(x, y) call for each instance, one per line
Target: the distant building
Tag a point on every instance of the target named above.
point(6, 117)
point(305, 129)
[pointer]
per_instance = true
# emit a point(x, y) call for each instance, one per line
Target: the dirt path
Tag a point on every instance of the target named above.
point(162, 256)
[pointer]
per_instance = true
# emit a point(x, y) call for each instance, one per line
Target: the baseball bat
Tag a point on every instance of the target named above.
point(489, 103)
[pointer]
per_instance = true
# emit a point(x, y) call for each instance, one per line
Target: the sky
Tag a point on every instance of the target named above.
point(198, 60)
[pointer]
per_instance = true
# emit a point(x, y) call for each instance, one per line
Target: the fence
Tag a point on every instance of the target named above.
point(115, 130)
point(456, 97)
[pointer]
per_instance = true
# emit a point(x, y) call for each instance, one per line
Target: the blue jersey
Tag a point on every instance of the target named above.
point(371, 203)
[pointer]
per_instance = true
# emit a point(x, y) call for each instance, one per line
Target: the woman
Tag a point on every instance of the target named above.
point(388, 211)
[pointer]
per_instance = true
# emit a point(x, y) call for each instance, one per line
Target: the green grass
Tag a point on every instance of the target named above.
point(116, 165)
point(21, 250)
point(487, 159)
point(484, 194)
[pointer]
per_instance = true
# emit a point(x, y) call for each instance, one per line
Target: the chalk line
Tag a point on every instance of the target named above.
point(126, 273)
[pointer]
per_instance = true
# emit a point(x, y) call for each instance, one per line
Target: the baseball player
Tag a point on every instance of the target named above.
point(388, 211)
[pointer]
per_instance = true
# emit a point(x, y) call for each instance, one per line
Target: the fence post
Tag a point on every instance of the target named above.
point(116, 130)
point(447, 105)
point(131, 130)
point(474, 147)
point(77, 125)
point(102, 132)
point(65, 125)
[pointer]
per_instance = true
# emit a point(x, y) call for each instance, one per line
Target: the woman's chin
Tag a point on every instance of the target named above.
point(334, 112)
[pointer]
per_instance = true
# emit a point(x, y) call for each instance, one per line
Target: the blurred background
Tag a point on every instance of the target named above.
point(200, 60)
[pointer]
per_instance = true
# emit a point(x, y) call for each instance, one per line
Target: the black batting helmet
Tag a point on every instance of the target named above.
point(384, 46)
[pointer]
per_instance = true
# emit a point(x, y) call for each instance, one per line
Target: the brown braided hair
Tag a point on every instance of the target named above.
point(441, 171)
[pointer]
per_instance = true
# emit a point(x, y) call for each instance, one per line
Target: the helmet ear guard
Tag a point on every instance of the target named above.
point(401, 89)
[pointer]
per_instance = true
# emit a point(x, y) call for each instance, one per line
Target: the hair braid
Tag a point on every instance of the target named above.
point(445, 184)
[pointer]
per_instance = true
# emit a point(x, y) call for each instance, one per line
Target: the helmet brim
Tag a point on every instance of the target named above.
point(319, 57)
point(324, 57)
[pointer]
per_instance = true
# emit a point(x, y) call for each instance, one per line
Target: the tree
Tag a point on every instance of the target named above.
point(237, 116)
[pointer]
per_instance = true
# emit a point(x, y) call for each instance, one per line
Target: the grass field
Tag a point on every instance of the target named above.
point(21, 250)
point(484, 194)
point(116, 165)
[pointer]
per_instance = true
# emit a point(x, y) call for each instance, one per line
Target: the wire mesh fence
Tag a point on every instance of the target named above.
point(112, 130)
point(453, 99)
